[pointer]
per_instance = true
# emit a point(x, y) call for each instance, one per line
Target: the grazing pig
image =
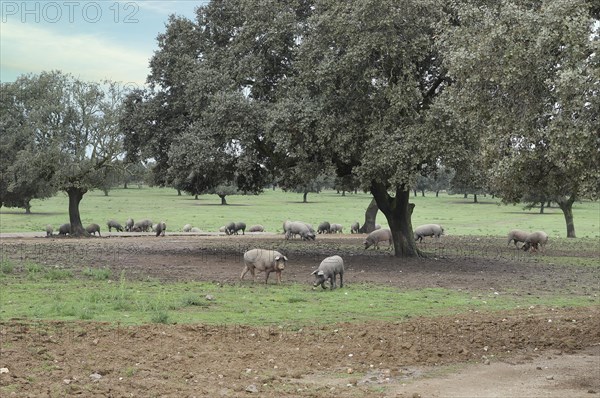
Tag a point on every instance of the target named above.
point(129, 225)
point(517, 235)
point(49, 230)
point(240, 226)
point(92, 229)
point(160, 229)
point(187, 227)
point(336, 228)
point(328, 269)
point(194, 229)
point(230, 228)
point(428, 230)
point(286, 226)
point(64, 229)
point(223, 229)
point(142, 226)
point(536, 240)
point(299, 228)
point(114, 224)
point(324, 228)
point(354, 227)
point(379, 235)
point(256, 228)
point(266, 261)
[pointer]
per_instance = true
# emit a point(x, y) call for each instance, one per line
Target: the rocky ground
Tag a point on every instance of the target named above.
point(528, 352)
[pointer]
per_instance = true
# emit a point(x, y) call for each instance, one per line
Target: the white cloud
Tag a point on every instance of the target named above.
point(27, 48)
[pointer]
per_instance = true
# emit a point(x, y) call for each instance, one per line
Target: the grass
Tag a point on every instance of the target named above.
point(290, 305)
point(458, 215)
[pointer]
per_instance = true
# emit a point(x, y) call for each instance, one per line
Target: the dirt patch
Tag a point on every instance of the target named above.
point(527, 352)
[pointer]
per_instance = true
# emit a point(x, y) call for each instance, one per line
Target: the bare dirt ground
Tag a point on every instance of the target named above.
point(530, 352)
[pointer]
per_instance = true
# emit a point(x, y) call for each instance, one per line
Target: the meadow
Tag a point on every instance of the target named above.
point(458, 215)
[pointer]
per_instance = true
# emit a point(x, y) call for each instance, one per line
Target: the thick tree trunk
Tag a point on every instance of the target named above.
point(566, 205)
point(370, 217)
point(398, 212)
point(125, 185)
point(437, 194)
point(304, 197)
point(195, 197)
point(179, 192)
point(105, 192)
point(75, 197)
point(27, 206)
point(343, 193)
point(223, 201)
point(475, 198)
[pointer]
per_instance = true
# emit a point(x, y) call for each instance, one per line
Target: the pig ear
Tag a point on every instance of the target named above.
point(285, 258)
point(277, 258)
point(314, 272)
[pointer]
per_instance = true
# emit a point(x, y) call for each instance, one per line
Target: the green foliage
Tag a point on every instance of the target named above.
point(97, 273)
point(6, 267)
point(534, 115)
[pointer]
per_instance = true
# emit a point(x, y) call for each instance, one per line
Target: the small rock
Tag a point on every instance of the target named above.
point(252, 388)
point(539, 368)
point(486, 362)
point(67, 381)
point(209, 297)
point(3, 370)
point(549, 377)
point(95, 376)
point(350, 371)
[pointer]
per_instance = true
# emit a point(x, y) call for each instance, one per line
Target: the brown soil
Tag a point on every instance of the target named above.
point(527, 352)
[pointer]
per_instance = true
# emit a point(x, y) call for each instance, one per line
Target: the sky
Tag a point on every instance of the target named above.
point(92, 40)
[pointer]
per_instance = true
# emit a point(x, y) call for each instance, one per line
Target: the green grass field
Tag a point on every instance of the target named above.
point(459, 216)
point(38, 292)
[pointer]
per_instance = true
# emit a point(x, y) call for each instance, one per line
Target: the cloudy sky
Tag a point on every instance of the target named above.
point(92, 40)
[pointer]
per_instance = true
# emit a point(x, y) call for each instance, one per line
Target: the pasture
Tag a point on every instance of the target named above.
point(459, 216)
point(170, 317)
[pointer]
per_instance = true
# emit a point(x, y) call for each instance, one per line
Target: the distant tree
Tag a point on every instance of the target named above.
point(440, 179)
point(26, 172)
point(305, 179)
point(537, 110)
point(72, 128)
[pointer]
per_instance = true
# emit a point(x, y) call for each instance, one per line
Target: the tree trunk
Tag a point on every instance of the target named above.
point(179, 192)
point(75, 197)
point(549, 204)
point(437, 194)
point(343, 193)
point(125, 185)
point(542, 207)
point(475, 198)
point(566, 205)
point(223, 201)
point(105, 192)
point(422, 192)
point(27, 206)
point(196, 197)
point(304, 197)
point(466, 195)
point(370, 217)
point(398, 212)
point(415, 192)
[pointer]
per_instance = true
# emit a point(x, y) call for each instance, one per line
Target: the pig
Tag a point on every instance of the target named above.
point(428, 230)
point(266, 261)
point(517, 235)
point(299, 228)
point(194, 229)
point(335, 228)
point(354, 227)
point(64, 229)
point(536, 240)
point(379, 235)
point(324, 228)
point(328, 269)
point(114, 224)
point(223, 229)
point(142, 226)
point(160, 229)
point(129, 225)
point(49, 230)
point(256, 228)
point(92, 229)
